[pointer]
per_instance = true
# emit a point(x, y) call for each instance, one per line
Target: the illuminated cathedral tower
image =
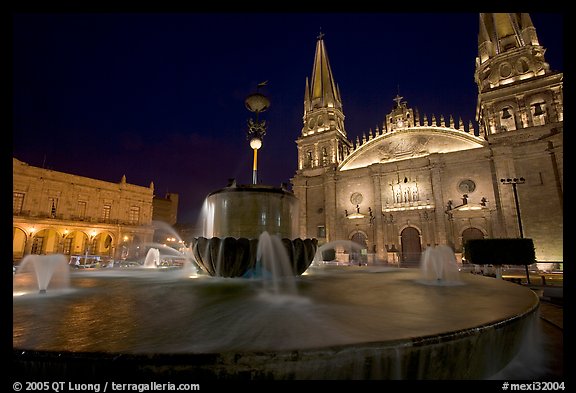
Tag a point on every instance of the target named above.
point(323, 141)
point(516, 87)
point(520, 113)
point(413, 183)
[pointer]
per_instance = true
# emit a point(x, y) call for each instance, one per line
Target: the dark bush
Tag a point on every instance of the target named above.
point(500, 251)
point(329, 254)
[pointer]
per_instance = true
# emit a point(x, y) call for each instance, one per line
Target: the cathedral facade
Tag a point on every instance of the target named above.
point(418, 181)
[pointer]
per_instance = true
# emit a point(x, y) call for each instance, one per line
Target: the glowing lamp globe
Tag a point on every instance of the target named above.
point(255, 143)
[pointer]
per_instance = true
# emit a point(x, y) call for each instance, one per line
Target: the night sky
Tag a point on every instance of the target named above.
point(160, 96)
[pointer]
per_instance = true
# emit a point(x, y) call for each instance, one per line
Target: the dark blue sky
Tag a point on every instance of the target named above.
point(160, 96)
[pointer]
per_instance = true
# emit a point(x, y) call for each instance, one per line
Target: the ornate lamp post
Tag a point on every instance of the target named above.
point(257, 103)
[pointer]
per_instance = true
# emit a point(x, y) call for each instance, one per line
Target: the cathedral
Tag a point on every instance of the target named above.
point(418, 181)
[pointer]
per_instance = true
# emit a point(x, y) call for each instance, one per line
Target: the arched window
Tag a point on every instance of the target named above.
point(324, 156)
point(507, 121)
point(538, 111)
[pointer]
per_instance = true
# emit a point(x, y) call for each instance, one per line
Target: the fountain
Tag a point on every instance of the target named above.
point(258, 312)
point(234, 217)
point(348, 245)
point(352, 324)
point(42, 272)
point(439, 267)
point(152, 260)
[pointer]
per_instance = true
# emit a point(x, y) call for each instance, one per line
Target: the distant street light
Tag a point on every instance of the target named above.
point(515, 181)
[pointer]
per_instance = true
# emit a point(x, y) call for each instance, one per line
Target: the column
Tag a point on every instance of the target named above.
point(378, 224)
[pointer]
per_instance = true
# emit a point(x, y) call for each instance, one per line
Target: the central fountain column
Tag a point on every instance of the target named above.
point(249, 210)
point(235, 217)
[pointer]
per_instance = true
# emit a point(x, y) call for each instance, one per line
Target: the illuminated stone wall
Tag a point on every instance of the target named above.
point(425, 180)
point(427, 193)
point(56, 212)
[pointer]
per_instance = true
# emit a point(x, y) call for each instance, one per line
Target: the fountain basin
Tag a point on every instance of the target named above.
point(233, 220)
point(230, 257)
point(357, 325)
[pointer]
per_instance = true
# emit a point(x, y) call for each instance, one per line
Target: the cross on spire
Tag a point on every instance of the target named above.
point(398, 98)
point(320, 35)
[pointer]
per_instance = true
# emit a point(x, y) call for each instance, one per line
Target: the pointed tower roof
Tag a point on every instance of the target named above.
point(483, 35)
point(505, 30)
point(306, 97)
point(323, 90)
point(508, 50)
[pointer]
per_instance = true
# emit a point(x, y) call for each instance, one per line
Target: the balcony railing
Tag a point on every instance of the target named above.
point(85, 219)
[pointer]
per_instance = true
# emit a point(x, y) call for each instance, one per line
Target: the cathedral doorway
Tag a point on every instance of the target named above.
point(469, 234)
point(359, 257)
point(411, 247)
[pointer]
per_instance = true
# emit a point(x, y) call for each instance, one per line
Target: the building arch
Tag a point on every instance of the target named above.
point(74, 242)
point(507, 113)
point(470, 233)
point(538, 105)
point(359, 257)
point(410, 245)
point(45, 241)
point(19, 239)
point(104, 244)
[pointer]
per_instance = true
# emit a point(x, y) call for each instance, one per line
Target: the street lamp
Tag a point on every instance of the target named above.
point(124, 252)
point(257, 103)
point(255, 144)
point(514, 182)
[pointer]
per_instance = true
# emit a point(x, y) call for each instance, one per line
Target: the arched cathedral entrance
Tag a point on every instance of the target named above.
point(411, 247)
point(359, 257)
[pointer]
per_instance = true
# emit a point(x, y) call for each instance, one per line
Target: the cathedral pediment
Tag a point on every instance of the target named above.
point(410, 143)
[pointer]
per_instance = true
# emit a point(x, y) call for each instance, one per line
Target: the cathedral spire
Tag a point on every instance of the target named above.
point(306, 97)
point(508, 50)
point(511, 63)
point(503, 32)
point(323, 142)
point(323, 91)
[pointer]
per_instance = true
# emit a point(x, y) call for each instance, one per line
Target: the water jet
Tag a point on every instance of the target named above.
point(42, 272)
point(439, 267)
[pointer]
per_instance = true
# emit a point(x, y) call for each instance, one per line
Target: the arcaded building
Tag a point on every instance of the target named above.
point(56, 212)
point(418, 180)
